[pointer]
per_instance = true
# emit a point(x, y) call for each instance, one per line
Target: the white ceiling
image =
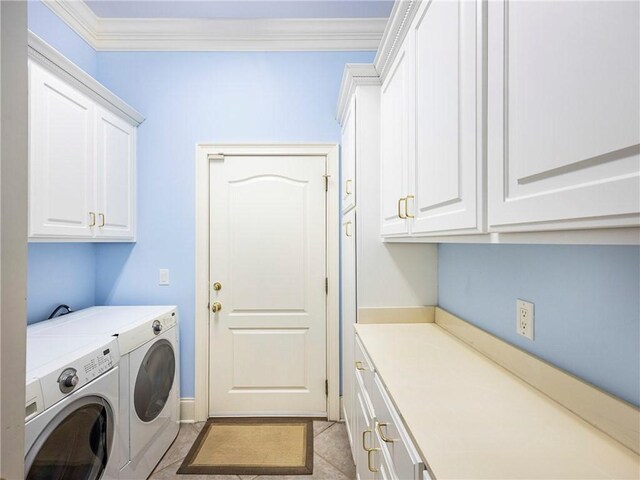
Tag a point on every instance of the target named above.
point(241, 8)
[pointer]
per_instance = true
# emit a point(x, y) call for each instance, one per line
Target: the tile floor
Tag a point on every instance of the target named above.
point(332, 456)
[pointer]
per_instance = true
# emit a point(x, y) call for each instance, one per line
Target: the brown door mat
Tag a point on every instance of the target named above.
point(252, 446)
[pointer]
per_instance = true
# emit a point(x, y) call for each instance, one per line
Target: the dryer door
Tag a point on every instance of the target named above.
point(154, 381)
point(76, 444)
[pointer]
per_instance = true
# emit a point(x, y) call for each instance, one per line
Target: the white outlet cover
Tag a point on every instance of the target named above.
point(525, 318)
point(163, 277)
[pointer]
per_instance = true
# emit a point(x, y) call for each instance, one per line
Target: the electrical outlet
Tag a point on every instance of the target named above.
point(524, 318)
point(164, 277)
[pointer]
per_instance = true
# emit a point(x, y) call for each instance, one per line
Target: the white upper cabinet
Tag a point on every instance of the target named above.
point(563, 115)
point(394, 145)
point(116, 176)
point(446, 167)
point(509, 118)
point(82, 151)
point(349, 158)
point(61, 180)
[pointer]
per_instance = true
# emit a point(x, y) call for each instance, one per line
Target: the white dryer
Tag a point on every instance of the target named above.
point(149, 377)
point(72, 403)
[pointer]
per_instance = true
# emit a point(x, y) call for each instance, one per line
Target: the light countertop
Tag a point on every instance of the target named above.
point(472, 419)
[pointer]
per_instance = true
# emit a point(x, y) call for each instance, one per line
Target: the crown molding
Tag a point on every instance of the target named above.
point(177, 34)
point(355, 74)
point(50, 58)
point(396, 30)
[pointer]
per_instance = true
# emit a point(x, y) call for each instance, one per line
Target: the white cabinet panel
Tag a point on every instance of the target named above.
point(115, 176)
point(564, 123)
point(349, 158)
point(447, 164)
point(365, 437)
point(394, 146)
point(81, 163)
point(349, 307)
point(61, 141)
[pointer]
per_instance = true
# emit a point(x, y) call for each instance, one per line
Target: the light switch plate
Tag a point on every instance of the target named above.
point(164, 276)
point(524, 318)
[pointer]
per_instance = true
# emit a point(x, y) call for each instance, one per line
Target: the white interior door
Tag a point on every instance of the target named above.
point(268, 253)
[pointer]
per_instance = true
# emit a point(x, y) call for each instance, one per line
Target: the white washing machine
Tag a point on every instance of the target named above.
point(149, 377)
point(71, 408)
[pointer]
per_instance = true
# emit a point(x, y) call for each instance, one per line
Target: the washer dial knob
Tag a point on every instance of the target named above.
point(157, 327)
point(68, 380)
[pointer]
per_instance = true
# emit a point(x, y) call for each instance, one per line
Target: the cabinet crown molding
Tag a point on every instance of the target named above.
point(355, 74)
point(396, 30)
point(212, 34)
point(51, 59)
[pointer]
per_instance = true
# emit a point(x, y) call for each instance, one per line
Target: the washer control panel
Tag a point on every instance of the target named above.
point(92, 361)
point(97, 364)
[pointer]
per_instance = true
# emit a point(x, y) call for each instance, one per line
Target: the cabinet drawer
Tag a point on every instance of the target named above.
point(363, 366)
point(394, 439)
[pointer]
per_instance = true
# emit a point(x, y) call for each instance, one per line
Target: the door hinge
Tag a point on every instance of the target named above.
point(326, 387)
point(326, 285)
point(326, 182)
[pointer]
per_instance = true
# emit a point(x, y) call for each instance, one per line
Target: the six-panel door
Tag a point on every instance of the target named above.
point(61, 160)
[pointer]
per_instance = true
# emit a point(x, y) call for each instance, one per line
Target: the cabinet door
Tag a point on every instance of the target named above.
point(394, 116)
point(61, 158)
point(349, 158)
point(446, 175)
point(116, 176)
point(364, 438)
point(349, 309)
point(563, 117)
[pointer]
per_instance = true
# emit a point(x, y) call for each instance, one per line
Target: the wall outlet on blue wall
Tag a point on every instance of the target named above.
point(524, 318)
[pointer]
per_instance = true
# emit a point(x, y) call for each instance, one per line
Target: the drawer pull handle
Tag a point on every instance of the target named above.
point(364, 441)
point(400, 215)
point(383, 436)
point(369, 452)
point(359, 366)
point(406, 206)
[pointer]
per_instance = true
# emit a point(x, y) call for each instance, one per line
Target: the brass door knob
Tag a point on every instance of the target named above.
point(216, 307)
point(217, 286)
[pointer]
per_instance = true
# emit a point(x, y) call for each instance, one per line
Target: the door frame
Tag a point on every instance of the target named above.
point(204, 154)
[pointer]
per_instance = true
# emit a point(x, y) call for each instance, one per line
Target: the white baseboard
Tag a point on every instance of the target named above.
point(187, 410)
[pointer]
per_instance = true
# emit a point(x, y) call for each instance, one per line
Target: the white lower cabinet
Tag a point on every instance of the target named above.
point(382, 447)
point(348, 264)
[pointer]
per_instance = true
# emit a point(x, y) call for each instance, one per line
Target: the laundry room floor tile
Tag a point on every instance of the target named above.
point(331, 461)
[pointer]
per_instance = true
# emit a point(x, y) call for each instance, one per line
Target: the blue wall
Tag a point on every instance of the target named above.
point(587, 304)
point(60, 273)
point(189, 98)
point(46, 24)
